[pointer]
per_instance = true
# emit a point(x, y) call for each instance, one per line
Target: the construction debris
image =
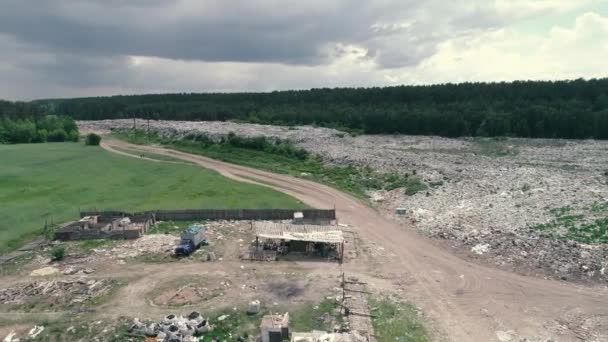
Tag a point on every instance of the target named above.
point(59, 291)
point(322, 336)
point(254, 307)
point(45, 271)
point(147, 244)
point(173, 328)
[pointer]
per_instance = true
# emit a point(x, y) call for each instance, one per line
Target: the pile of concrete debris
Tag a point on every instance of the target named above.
point(173, 328)
point(63, 291)
point(147, 244)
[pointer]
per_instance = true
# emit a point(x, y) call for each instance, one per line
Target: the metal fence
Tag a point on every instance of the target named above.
point(225, 214)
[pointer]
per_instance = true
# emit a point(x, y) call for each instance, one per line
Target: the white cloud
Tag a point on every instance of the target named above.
point(507, 54)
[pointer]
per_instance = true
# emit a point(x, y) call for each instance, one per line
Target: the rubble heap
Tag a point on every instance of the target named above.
point(173, 328)
point(147, 244)
point(63, 291)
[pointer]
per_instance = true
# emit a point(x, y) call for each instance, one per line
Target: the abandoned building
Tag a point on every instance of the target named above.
point(274, 239)
point(105, 227)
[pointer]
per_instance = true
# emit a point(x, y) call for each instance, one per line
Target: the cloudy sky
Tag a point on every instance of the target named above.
point(68, 48)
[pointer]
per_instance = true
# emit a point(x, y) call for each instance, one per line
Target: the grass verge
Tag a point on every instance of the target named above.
point(396, 321)
point(589, 225)
point(283, 157)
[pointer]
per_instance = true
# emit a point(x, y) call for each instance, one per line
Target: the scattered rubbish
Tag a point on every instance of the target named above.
point(45, 271)
point(480, 248)
point(35, 331)
point(11, 337)
point(173, 328)
point(63, 291)
point(400, 211)
point(254, 307)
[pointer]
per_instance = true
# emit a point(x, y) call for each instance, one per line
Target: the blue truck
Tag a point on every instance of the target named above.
point(191, 239)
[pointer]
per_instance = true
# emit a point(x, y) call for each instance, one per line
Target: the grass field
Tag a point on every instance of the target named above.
point(41, 182)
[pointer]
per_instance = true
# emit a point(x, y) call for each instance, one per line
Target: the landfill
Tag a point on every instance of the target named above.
point(486, 192)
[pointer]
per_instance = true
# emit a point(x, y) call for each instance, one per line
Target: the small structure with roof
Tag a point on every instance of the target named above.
point(274, 238)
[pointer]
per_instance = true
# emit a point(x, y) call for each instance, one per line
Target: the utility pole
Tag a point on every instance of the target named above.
point(148, 126)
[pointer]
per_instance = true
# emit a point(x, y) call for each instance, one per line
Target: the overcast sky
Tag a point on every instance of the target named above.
point(69, 48)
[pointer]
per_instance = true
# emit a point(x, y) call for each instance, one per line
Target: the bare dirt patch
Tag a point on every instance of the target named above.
point(188, 291)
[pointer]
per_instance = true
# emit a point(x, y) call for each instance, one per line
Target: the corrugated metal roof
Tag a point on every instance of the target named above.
point(298, 232)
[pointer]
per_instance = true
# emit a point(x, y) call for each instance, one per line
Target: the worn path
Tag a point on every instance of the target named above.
point(467, 301)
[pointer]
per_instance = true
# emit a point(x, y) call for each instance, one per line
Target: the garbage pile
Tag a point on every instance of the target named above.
point(13, 336)
point(63, 291)
point(213, 129)
point(147, 244)
point(476, 186)
point(173, 328)
point(564, 259)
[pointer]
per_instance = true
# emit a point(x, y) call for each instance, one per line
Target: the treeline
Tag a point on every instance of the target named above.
point(538, 109)
point(27, 123)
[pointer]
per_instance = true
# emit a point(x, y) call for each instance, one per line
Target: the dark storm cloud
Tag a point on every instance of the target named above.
point(243, 31)
point(80, 43)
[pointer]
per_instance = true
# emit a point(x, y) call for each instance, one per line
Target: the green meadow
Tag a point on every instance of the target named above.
point(49, 182)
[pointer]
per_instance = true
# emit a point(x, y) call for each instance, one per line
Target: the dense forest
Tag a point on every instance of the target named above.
point(559, 109)
point(22, 122)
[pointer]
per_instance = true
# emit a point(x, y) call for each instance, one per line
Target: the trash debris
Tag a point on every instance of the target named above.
point(479, 249)
point(45, 271)
point(11, 337)
point(173, 328)
point(61, 291)
point(254, 307)
point(35, 331)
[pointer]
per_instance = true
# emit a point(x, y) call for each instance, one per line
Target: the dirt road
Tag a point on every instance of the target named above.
point(466, 301)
